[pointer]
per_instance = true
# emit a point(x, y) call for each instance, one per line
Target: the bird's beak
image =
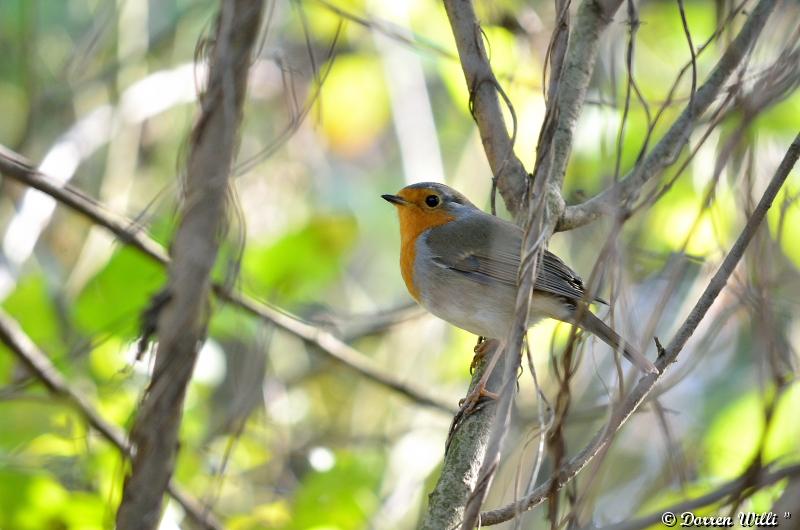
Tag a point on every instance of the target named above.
point(394, 199)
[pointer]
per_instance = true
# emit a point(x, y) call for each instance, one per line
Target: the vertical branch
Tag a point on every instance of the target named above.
point(572, 71)
point(39, 364)
point(666, 151)
point(183, 319)
point(463, 457)
point(667, 356)
point(507, 170)
point(556, 49)
point(555, 144)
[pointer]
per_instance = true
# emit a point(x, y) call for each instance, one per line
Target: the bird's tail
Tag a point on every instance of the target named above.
point(594, 325)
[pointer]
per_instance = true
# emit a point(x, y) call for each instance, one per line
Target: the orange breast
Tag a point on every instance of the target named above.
point(408, 254)
point(413, 222)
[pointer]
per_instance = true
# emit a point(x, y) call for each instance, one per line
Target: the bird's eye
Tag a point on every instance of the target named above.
point(432, 201)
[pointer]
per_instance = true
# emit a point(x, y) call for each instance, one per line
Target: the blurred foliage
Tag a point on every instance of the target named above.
point(349, 100)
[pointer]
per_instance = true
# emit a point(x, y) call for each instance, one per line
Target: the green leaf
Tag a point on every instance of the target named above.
point(31, 305)
point(22, 421)
point(298, 265)
point(112, 301)
point(734, 436)
point(342, 498)
point(32, 499)
point(29, 499)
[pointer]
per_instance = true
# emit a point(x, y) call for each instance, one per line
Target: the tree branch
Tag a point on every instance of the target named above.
point(17, 167)
point(646, 384)
point(726, 490)
point(670, 145)
point(466, 444)
point(40, 366)
point(508, 172)
point(568, 87)
point(182, 322)
point(591, 21)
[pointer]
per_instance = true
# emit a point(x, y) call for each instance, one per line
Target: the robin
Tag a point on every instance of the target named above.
point(461, 264)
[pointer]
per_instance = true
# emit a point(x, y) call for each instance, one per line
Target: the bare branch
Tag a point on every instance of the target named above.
point(591, 21)
point(691, 49)
point(668, 148)
point(338, 350)
point(724, 491)
point(646, 384)
point(16, 167)
point(539, 218)
point(182, 323)
point(462, 460)
point(40, 366)
point(483, 87)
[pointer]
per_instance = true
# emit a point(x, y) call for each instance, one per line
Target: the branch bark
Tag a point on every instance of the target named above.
point(40, 366)
point(183, 321)
point(17, 167)
point(461, 467)
point(568, 90)
point(507, 169)
point(591, 21)
point(726, 490)
point(646, 384)
point(670, 145)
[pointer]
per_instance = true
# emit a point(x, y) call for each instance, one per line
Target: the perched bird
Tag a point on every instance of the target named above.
point(461, 264)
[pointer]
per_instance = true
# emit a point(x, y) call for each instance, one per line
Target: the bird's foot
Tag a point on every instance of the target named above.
point(473, 399)
point(480, 350)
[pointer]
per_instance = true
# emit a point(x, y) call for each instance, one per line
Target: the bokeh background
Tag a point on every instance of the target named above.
point(349, 100)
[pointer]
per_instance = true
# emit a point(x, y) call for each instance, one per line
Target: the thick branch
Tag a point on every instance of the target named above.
point(646, 384)
point(467, 443)
point(568, 88)
point(591, 21)
point(483, 88)
point(668, 148)
point(182, 323)
point(40, 366)
point(15, 166)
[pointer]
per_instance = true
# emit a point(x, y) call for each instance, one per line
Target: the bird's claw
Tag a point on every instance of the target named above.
point(473, 402)
point(473, 399)
point(480, 350)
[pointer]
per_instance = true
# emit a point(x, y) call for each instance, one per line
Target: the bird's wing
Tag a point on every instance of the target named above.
point(482, 247)
point(489, 250)
point(555, 277)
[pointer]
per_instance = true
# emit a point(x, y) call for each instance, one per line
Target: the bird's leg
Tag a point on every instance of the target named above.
point(479, 391)
point(480, 352)
point(475, 398)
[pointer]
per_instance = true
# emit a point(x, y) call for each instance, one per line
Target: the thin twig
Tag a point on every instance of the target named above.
point(482, 84)
point(40, 366)
point(670, 145)
point(15, 166)
point(765, 479)
point(182, 323)
point(691, 50)
point(646, 384)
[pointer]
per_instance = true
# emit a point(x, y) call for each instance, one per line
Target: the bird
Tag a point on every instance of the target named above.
point(461, 264)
